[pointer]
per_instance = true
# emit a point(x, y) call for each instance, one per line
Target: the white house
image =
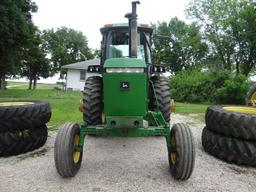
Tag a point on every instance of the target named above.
point(77, 73)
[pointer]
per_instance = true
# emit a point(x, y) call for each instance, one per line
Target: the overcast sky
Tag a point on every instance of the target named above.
point(88, 16)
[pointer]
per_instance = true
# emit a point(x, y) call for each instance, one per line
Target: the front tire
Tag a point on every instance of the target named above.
point(67, 159)
point(182, 152)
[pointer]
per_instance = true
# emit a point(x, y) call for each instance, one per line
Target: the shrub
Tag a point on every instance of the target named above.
point(233, 91)
point(196, 86)
point(211, 86)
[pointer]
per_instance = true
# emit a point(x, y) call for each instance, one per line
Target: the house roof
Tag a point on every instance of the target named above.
point(82, 65)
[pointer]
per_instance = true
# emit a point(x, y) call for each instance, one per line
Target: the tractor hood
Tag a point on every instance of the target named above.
point(125, 62)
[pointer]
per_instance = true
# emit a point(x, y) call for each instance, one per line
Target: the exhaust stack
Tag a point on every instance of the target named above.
point(132, 20)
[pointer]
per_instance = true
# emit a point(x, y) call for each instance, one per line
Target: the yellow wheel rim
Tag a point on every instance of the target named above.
point(81, 105)
point(13, 103)
point(253, 97)
point(173, 154)
point(103, 117)
point(246, 110)
point(252, 100)
point(172, 105)
point(76, 154)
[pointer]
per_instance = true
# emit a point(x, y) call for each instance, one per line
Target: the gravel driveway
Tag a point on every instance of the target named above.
point(124, 164)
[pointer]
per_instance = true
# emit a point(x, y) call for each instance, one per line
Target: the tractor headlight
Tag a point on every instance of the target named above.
point(125, 70)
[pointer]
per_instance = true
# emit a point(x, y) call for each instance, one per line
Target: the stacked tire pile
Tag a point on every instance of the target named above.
point(230, 134)
point(23, 126)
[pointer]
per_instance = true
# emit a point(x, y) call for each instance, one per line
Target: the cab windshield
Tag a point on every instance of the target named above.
point(118, 45)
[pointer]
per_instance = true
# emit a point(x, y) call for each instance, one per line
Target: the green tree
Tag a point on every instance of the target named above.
point(97, 53)
point(34, 63)
point(183, 49)
point(65, 46)
point(230, 27)
point(15, 26)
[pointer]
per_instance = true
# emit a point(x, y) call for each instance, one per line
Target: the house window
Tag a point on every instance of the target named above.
point(82, 75)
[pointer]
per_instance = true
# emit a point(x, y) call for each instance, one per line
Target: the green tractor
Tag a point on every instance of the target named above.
point(129, 98)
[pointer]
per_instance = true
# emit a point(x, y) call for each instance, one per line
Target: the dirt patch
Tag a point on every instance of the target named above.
point(37, 153)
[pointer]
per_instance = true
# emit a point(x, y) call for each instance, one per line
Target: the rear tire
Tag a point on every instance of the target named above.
point(229, 149)
point(67, 159)
point(182, 152)
point(23, 114)
point(92, 101)
point(17, 142)
point(162, 97)
point(231, 123)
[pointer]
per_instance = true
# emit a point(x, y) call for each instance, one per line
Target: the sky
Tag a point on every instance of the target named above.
point(89, 16)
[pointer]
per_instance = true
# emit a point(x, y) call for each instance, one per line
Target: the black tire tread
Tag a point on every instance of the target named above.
point(62, 150)
point(231, 124)
point(14, 118)
point(93, 106)
point(185, 150)
point(229, 149)
point(18, 142)
point(162, 91)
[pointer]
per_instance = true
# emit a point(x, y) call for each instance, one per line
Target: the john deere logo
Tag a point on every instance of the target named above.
point(124, 86)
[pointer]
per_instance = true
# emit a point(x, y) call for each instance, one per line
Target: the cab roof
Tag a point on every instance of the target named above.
point(123, 26)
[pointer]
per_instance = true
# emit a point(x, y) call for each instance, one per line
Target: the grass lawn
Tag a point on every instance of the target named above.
point(24, 85)
point(190, 108)
point(65, 103)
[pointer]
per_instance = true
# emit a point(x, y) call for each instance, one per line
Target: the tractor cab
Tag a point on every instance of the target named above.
point(116, 41)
